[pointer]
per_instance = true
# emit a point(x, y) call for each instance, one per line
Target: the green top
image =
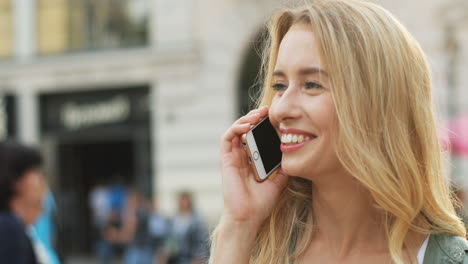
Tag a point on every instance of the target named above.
point(446, 249)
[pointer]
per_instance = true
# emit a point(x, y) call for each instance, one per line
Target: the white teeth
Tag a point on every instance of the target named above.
point(300, 139)
point(294, 139)
point(290, 138)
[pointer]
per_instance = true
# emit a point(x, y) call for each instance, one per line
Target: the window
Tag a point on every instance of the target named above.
point(6, 29)
point(78, 25)
point(250, 85)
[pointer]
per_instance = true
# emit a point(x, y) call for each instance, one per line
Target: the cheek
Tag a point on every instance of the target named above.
point(323, 113)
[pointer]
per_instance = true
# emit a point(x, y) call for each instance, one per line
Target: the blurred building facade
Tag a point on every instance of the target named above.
point(142, 90)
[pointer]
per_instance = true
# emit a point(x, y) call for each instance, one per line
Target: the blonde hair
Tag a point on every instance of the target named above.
point(386, 130)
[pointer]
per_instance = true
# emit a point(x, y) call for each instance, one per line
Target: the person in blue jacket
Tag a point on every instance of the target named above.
point(21, 196)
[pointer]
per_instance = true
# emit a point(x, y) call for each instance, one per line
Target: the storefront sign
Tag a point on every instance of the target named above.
point(77, 111)
point(75, 116)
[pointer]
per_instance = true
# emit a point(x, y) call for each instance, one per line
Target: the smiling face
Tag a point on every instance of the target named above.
point(302, 110)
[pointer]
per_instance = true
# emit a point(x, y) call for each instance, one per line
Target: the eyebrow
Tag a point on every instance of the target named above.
point(304, 71)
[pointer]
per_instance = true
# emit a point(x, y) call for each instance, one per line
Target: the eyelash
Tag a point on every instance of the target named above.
point(309, 85)
point(313, 85)
point(278, 87)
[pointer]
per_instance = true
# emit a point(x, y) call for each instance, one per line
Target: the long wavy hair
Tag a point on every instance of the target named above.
point(386, 132)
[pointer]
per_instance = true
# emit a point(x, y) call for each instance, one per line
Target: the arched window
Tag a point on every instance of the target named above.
point(249, 81)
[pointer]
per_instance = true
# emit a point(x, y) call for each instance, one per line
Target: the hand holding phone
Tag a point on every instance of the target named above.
point(262, 145)
point(247, 202)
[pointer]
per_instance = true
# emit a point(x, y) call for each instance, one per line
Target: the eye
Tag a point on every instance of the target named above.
point(279, 87)
point(313, 85)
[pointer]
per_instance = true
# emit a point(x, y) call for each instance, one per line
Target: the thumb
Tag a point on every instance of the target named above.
point(280, 179)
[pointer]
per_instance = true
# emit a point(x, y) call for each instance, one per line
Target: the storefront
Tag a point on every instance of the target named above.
point(100, 136)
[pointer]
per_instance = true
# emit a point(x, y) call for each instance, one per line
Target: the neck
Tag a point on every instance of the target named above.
point(345, 219)
point(18, 208)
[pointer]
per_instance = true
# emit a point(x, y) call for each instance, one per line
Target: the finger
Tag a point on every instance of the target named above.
point(261, 110)
point(237, 151)
point(235, 130)
point(240, 152)
point(250, 118)
point(232, 170)
point(241, 155)
point(253, 117)
point(235, 143)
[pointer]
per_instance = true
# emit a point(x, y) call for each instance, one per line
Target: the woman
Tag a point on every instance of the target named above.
point(368, 186)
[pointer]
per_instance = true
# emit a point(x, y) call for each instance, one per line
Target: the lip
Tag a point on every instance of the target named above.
point(290, 148)
point(296, 131)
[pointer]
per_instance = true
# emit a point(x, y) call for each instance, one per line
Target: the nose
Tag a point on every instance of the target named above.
point(286, 106)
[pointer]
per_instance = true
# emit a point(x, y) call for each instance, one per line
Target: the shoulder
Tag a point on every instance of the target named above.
point(9, 222)
point(14, 242)
point(446, 248)
point(11, 228)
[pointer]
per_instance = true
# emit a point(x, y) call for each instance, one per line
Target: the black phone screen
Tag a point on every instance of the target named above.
point(268, 144)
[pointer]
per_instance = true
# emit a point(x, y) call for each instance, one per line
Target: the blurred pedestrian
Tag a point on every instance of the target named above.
point(188, 242)
point(118, 196)
point(120, 231)
point(111, 244)
point(110, 205)
point(139, 248)
point(159, 230)
point(21, 199)
point(100, 204)
point(143, 231)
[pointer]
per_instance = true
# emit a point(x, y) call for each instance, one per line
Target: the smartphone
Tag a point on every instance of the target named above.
point(262, 145)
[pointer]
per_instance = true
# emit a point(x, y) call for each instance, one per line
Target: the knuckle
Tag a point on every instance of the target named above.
point(240, 120)
point(225, 135)
point(252, 111)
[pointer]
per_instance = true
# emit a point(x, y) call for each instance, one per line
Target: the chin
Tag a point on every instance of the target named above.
point(303, 168)
point(294, 168)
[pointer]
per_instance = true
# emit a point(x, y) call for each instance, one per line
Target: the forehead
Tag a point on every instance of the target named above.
point(299, 48)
